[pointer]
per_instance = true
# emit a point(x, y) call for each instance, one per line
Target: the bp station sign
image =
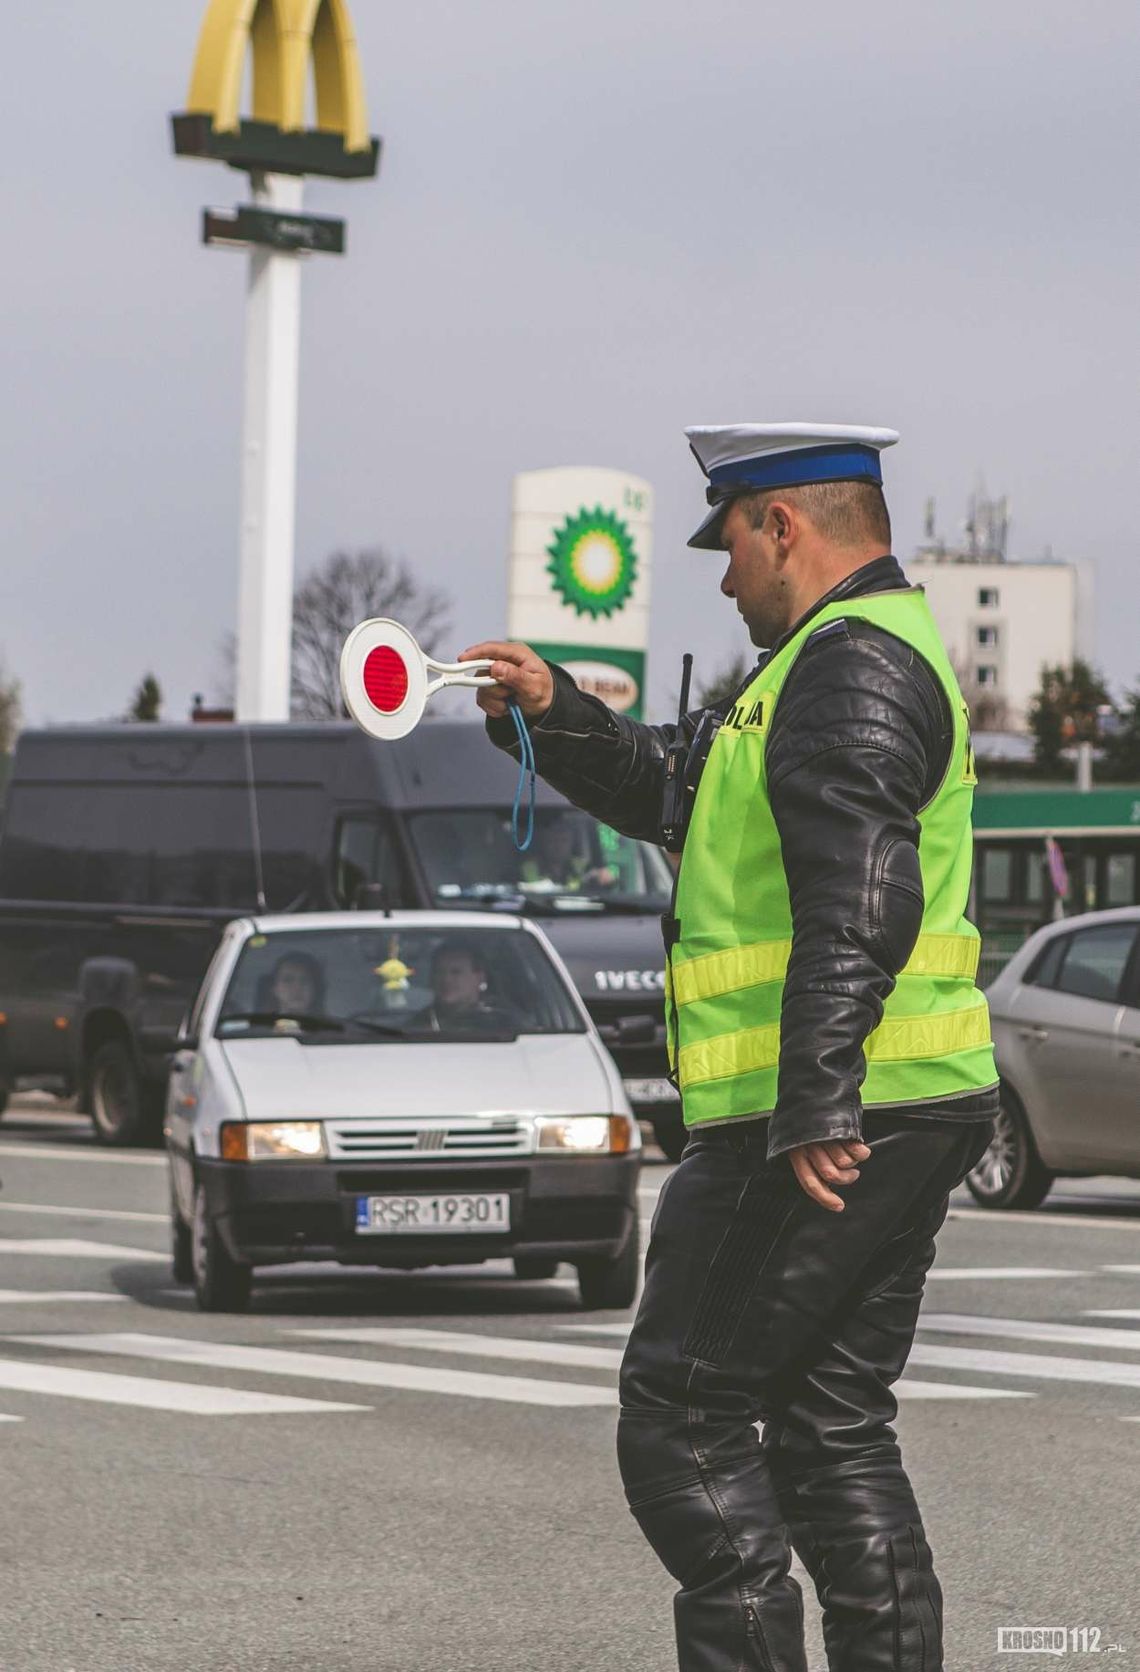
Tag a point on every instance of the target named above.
point(579, 576)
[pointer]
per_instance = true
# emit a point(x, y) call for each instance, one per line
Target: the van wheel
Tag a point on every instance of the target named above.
point(118, 1111)
point(1010, 1174)
point(220, 1283)
point(610, 1285)
point(534, 1269)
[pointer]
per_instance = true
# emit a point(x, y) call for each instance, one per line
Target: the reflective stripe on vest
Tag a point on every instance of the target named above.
point(715, 973)
point(900, 1039)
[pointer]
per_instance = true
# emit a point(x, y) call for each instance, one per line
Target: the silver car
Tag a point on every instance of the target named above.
point(1066, 1025)
point(401, 1090)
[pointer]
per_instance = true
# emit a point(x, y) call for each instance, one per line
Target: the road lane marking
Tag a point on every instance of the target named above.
point(16, 1297)
point(276, 1361)
point(468, 1344)
point(1015, 1216)
point(1112, 1312)
point(908, 1387)
point(1005, 1271)
point(565, 1353)
point(1032, 1329)
point(1125, 1270)
point(1103, 1372)
point(84, 1213)
point(188, 1398)
point(75, 1248)
point(57, 1152)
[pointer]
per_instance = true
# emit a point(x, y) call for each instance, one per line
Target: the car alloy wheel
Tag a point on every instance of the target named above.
point(1010, 1174)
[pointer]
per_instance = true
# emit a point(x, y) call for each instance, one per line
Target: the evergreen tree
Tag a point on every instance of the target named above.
point(147, 700)
point(1122, 745)
point(1064, 711)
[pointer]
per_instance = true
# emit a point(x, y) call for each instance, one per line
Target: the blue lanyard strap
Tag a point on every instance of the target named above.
point(526, 764)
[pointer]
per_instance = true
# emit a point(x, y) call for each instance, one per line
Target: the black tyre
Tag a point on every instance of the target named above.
point(220, 1283)
point(5, 1094)
point(670, 1132)
point(1010, 1174)
point(534, 1269)
point(181, 1244)
point(610, 1285)
point(120, 1111)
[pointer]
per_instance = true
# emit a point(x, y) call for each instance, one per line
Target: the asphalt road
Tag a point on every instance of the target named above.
point(416, 1473)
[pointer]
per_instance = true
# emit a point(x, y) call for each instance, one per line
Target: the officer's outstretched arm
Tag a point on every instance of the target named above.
point(603, 762)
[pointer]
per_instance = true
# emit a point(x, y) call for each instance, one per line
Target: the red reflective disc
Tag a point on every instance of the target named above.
point(385, 678)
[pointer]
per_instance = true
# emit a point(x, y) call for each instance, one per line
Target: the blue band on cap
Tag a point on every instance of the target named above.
point(840, 463)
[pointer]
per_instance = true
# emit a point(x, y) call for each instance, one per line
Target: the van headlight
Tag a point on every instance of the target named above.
point(279, 1140)
point(589, 1134)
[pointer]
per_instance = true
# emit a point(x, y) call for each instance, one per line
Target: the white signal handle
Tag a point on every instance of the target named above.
point(457, 673)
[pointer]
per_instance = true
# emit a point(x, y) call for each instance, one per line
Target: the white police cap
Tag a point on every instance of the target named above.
point(750, 458)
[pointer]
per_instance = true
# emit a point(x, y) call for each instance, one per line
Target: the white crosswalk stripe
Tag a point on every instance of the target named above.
point(186, 1397)
point(275, 1361)
point(48, 1297)
point(468, 1344)
point(566, 1353)
point(76, 1248)
point(965, 1273)
point(1103, 1372)
point(1031, 1329)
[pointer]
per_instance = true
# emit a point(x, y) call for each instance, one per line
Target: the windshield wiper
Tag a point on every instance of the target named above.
point(270, 1018)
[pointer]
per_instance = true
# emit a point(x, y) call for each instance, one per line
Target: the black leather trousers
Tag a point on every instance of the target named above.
point(760, 1306)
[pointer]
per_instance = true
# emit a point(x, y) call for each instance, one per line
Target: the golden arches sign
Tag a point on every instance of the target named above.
point(284, 37)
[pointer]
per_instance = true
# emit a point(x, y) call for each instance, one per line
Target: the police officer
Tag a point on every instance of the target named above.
point(832, 1050)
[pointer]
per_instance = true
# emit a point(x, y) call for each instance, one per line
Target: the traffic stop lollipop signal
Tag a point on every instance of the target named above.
point(386, 679)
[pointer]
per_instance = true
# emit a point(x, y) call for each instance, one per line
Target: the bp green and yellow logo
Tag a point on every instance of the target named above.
point(592, 562)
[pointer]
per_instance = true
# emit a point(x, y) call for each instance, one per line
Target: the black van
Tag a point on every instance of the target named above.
point(125, 849)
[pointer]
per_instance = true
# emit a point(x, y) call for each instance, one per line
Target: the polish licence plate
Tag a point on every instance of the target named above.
point(417, 1215)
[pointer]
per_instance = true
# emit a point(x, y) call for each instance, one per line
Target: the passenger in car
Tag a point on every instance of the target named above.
point(296, 986)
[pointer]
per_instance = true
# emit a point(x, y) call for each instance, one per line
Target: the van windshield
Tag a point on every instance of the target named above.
point(471, 855)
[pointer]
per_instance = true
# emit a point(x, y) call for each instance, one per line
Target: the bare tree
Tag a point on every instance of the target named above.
point(989, 709)
point(350, 587)
point(9, 711)
point(347, 588)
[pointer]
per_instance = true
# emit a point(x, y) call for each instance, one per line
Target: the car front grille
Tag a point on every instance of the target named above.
point(377, 1140)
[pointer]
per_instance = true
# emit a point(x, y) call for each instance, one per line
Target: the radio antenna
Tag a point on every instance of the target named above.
point(686, 681)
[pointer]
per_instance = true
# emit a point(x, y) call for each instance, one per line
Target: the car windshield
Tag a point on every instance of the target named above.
point(572, 861)
point(341, 986)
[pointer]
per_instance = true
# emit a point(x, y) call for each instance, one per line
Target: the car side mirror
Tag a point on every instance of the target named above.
point(371, 896)
point(186, 1042)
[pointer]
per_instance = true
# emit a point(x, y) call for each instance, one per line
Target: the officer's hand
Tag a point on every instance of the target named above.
point(818, 1165)
point(521, 674)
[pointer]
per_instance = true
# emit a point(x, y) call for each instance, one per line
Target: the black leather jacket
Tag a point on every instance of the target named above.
point(859, 742)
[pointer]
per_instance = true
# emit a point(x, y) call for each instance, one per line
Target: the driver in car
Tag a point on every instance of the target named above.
point(459, 987)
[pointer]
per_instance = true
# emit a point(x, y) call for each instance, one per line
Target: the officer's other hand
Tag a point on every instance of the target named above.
point(818, 1165)
point(520, 673)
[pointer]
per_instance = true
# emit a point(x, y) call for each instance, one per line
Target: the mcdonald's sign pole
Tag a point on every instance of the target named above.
point(275, 148)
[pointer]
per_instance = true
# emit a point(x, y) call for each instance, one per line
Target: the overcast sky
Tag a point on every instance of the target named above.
point(596, 221)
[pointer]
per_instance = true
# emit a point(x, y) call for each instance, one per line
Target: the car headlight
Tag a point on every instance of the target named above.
point(279, 1140)
point(589, 1134)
